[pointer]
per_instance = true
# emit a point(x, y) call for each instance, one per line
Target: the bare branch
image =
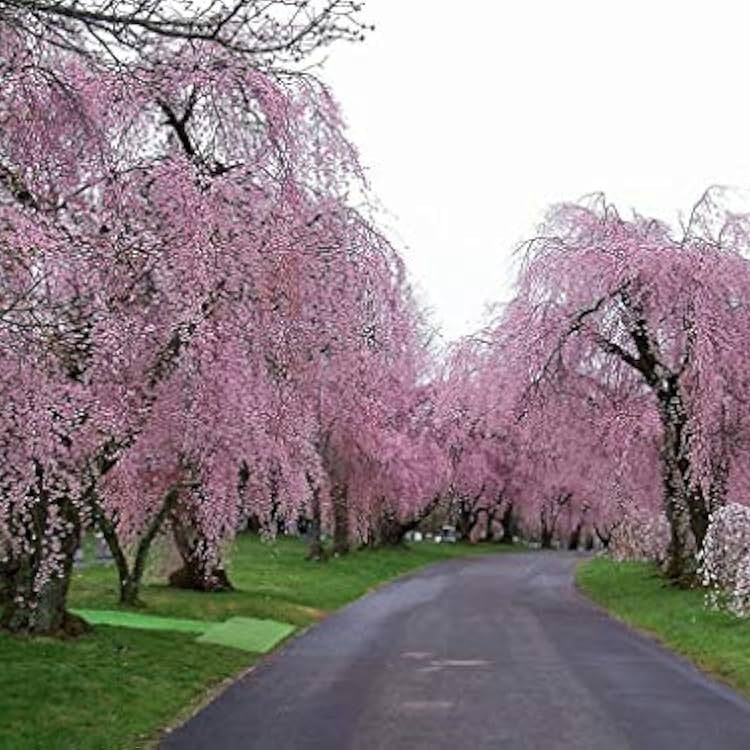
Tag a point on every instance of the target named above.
point(121, 31)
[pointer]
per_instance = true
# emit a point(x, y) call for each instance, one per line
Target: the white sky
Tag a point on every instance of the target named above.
point(474, 116)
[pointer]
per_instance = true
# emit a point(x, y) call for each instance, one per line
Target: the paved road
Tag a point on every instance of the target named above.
point(491, 652)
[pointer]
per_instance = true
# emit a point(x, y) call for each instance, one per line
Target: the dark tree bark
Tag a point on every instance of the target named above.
point(41, 610)
point(684, 504)
point(468, 515)
point(490, 515)
point(574, 541)
point(509, 522)
point(466, 520)
point(391, 531)
point(685, 507)
point(199, 572)
point(315, 549)
point(5, 582)
point(548, 516)
point(340, 504)
point(130, 576)
point(253, 525)
point(604, 535)
point(201, 569)
point(546, 535)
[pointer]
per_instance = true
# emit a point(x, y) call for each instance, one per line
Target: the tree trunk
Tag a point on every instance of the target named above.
point(5, 581)
point(509, 523)
point(315, 549)
point(547, 529)
point(391, 532)
point(199, 572)
point(685, 508)
point(680, 565)
point(340, 503)
point(43, 612)
point(546, 538)
point(490, 522)
point(130, 577)
point(198, 577)
point(465, 521)
point(129, 585)
point(684, 505)
point(574, 542)
point(699, 517)
point(604, 536)
point(253, 525)
point(34, 609)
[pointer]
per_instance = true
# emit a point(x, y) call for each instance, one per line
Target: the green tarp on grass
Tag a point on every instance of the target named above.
point(142, 622)
point(248, 634)
point(244, 633)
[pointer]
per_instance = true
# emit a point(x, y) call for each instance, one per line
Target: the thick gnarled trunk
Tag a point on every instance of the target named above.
point(36, 587)
point(41, 612)
point(684, 503)
point(200, 570)
point(391, 531)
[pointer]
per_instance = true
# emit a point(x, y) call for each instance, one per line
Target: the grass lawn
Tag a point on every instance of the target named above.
point(636, 594)
point(116, 688)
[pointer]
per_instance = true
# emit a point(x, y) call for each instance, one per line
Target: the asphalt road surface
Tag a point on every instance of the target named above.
point(490, 652)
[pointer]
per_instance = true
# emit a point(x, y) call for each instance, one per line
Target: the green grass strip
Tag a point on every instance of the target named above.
point(142, 622)
point(247, 634)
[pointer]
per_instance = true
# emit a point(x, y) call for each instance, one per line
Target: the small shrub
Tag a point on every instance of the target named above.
point(725, 560)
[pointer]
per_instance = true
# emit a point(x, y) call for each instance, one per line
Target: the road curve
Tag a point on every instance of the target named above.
point(489, 652)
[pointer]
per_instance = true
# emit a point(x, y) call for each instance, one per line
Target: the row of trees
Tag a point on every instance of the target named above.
point(197, 323)
point(609, 397)
point(200, 323)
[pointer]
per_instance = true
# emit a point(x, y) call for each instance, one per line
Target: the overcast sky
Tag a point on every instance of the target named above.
point(474, 116)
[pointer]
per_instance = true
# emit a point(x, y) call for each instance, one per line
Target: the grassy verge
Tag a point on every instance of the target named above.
point(114, 689)
point(636, 594)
